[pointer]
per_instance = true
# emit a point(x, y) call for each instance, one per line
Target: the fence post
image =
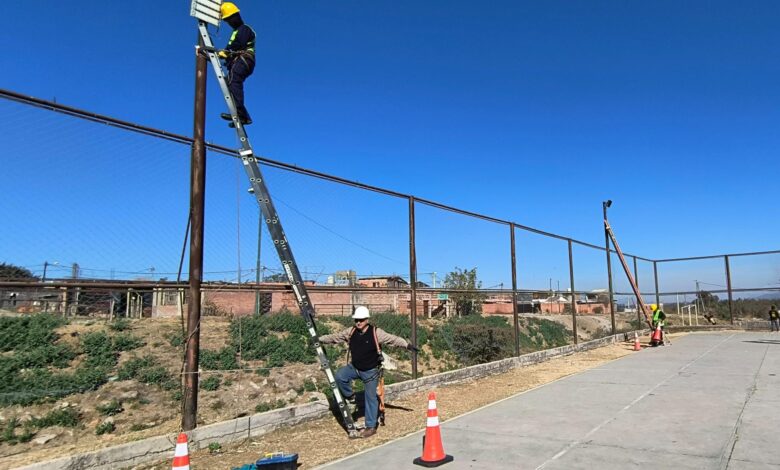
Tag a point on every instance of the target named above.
point(728, 286)
point(609, 268)
point(514, 288)
point(573, 294)
point(636, 280)
point(413, 282)
point(655, 276)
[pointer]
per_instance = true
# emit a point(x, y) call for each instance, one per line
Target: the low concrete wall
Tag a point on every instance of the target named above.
point(161, 447)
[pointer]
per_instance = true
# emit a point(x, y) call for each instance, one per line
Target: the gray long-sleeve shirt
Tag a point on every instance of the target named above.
point(382, 336)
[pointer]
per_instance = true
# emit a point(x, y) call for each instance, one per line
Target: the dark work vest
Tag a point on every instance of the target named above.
point(363, 348)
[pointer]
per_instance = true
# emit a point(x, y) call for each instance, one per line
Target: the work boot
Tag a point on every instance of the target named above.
point(368, 432)
point(245, 122)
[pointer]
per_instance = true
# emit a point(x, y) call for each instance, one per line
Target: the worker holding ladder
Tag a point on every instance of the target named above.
point(365, 348)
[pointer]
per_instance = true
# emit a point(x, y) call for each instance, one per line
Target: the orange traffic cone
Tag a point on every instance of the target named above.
point(181, 456)
point(637, 346)
point(433, 452)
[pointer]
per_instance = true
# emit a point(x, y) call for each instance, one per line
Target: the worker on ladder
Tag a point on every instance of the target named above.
point(657, 338)
point(239, 57)
point(365, 348)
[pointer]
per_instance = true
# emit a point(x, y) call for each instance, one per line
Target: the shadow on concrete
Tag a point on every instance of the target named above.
point(764, 341)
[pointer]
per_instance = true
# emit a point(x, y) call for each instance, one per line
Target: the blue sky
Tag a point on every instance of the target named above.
point(529, 111)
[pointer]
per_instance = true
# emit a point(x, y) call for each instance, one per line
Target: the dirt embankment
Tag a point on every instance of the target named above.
point(323, 440)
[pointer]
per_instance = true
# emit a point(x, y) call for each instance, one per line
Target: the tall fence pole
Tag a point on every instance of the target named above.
point(609, 270)
point(636, 281)
point(197, 210)
point(413, 281)
point(573, 294)
point(514, 288)
point(728, 286)
point(655, 277)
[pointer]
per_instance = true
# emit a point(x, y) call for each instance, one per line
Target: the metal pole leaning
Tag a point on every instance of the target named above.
point(640, 302)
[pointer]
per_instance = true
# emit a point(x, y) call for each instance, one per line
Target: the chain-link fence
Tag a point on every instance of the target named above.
point(97, 240)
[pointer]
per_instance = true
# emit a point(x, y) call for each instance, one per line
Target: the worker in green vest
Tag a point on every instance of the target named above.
point(239, 57)
point(658, 325)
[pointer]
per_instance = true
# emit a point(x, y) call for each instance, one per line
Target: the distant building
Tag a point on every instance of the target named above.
point(388, 282)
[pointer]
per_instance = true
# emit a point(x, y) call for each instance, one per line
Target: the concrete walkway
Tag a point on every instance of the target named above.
point(709, 401)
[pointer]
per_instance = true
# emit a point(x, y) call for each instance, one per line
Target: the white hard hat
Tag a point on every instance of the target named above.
point(361, 313)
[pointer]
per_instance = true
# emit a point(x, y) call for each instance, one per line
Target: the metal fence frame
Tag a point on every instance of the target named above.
point(413, 202)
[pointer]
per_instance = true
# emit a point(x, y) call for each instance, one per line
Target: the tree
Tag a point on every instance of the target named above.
point(278, 277)
point(9, 272)
point(466, 303)
point(707, 299)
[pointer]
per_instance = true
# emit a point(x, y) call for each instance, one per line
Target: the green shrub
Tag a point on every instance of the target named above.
point(36, 385)
point(256, 339)
point(51, 355)
point(473, 339)
point(106, 427)
point(157, 375)
point(68, 417)
point(176, 338)
point(293, 348)
point(127, 342)
point(120, 324)
point(129, 369)
point(111, 408)
point(211, 383)
point(554, 334)
point(215, 447)
point(224, 359)
point(28, 332)
point(9, 433)
point(99, 348)
point(262, 407)
point(145, 370)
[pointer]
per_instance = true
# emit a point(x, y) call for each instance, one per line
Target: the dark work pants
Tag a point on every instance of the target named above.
point(241, 68)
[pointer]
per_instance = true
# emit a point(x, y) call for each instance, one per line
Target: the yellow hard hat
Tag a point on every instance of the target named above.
point(653, 307)
point(228, 9)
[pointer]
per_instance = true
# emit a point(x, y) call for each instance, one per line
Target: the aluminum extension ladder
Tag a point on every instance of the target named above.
point(274, 225)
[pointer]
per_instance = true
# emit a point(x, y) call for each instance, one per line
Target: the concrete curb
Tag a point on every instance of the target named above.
point(161, 447)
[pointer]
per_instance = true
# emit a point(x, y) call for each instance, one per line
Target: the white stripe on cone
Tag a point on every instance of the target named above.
point(181, 450)
point(433, 421)
point(431, 404)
